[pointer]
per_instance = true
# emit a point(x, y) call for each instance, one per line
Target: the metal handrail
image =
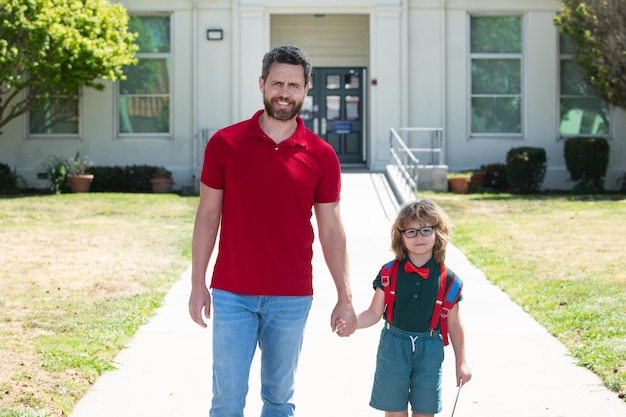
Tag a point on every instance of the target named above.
point(403, 156)
point(406, 163)
point(435, 148)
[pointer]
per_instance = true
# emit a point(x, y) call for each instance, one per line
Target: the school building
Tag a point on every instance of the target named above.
point(491, 74)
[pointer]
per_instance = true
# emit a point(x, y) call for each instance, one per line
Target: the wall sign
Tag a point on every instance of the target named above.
point(342, 127)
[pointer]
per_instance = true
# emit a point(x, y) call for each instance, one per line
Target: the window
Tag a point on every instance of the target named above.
point(496, 75)
point(144, 96)
point(582, 112)
point(57, 116)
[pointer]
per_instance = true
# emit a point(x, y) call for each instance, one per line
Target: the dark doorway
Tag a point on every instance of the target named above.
point(335, 110)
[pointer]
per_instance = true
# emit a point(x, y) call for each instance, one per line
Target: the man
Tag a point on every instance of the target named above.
point(260, 180)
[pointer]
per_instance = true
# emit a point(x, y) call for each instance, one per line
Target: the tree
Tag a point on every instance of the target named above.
point(598, 30)
point(50, 48)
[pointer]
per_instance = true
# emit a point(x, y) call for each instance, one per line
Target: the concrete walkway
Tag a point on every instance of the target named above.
point(519, 369)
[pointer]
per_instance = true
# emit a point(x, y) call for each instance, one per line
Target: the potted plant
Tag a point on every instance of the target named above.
point(477, 179)
point(161, 180)
point(458, 182)
point(77, 175)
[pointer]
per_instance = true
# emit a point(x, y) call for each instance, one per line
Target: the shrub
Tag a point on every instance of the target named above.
point(8, 179)
point(126, 179)
point(525, 169)
point(495, 176)
point(587, 160)
point(55, 168)
point(162, 172)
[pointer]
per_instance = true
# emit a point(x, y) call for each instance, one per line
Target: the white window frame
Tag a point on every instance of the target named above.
point(520, 56)
point(170, 94)
point(77, 135)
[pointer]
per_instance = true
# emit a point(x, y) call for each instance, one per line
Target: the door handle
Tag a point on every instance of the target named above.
point(316, 125)
point(323, 125)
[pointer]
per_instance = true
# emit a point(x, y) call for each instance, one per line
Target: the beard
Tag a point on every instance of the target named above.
point(281, 114)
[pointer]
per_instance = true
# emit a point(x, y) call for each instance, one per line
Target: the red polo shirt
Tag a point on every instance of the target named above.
point(266, 236)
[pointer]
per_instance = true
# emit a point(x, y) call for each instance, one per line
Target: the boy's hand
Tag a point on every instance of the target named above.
point(463, 373)
point(340, 326)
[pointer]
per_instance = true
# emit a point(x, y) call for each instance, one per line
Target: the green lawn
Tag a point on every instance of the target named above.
point(80, 273)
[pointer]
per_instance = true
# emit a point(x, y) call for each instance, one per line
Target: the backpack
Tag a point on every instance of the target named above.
point(444, 303)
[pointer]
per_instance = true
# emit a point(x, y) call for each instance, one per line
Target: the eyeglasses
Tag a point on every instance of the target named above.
point(424, 231)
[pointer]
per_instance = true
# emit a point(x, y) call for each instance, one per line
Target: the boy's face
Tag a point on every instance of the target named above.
point(419, 245)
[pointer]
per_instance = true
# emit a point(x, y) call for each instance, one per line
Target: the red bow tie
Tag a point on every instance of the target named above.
point(422, 272)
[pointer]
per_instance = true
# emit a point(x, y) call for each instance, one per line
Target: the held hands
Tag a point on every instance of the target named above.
point(340, 326)
point(343, 320)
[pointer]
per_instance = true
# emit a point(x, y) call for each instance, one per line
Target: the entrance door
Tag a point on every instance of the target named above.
point(334, 110)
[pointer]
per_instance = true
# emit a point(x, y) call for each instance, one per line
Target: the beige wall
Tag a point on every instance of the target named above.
point(330, 40)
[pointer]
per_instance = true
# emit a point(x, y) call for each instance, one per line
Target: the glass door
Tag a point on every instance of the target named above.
point(334, 110)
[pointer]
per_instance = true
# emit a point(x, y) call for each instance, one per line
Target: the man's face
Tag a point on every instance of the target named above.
point(284, 91)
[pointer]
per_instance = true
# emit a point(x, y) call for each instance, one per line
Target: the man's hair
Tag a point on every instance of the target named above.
point(424, 212)
point(287, 54)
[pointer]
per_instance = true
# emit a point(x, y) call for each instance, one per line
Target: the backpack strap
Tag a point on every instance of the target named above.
point(445, 302)
point(388, 279)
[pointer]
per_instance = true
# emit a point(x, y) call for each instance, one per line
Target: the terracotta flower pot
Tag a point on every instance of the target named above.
point(459, 185)
point(478, 178)
point(161, 185)
point(80, 183)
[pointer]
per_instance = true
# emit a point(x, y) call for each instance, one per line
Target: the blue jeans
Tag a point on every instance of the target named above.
point(240, 322)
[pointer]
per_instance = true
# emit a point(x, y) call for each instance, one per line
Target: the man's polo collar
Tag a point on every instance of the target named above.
point(298, 137)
